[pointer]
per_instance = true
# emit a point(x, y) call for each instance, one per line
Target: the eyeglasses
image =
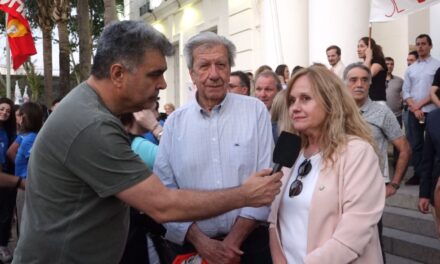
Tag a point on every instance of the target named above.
point(304, 169)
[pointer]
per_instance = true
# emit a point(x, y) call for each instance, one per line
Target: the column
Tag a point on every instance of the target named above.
point(337, 22)
point(284, 32)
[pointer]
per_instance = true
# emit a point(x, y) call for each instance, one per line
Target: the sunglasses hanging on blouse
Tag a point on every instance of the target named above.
point(304, 169)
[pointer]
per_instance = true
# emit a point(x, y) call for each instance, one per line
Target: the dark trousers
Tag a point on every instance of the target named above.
point(380, 229)
point(416, 139)
point(395, 151)
point(136, 250)
point(255, 247)
point(7, 205)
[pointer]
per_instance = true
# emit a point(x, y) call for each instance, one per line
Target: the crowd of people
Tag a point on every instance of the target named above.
point(197, 179)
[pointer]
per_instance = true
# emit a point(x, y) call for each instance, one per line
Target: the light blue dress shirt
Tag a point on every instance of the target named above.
point(418, 81)
point(217, 150)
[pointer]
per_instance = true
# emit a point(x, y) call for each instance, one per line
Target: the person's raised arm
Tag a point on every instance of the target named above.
point(164, 205)
point(375, 69)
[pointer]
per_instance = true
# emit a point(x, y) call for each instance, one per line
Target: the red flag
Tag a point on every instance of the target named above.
point(19, 33)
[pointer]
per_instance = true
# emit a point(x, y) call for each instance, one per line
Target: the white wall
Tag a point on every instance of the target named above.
point(336, 22)
point(242, 32)
point(434, 29)
point(393, 36)
point(294, 32)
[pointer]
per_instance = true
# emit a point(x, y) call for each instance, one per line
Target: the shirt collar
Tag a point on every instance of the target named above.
point(366, 106)
point(428, 59)
point(216, 108)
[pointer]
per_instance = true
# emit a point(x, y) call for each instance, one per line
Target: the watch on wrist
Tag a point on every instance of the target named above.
point(395, 185)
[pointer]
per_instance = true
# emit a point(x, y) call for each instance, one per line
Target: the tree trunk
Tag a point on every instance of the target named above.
point(47, 55)
point(45, 22)
point(64, 45)
point(61, 16)
point(85, 44)
point(109, 11)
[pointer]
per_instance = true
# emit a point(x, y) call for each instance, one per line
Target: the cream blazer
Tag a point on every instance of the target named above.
point(346, 205)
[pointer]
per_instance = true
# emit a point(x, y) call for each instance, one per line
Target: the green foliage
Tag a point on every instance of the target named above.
point(96, 15)
point(34, 81)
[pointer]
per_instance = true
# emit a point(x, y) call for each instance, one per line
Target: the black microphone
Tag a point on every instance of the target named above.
point(286, 151)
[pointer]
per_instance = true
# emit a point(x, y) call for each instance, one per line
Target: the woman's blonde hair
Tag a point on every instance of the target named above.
point(343, 117)
point(170, 105)
point(279, 112)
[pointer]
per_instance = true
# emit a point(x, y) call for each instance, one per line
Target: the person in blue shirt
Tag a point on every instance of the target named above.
point(32, 120)
point(7, 130)
point(7, 195)
point(149, 135)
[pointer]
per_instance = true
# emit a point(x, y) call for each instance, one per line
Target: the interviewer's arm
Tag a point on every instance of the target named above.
point(164, 205)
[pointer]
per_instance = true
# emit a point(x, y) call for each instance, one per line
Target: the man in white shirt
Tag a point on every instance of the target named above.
point(416, 93)
point(334, 59)
point(223, 136)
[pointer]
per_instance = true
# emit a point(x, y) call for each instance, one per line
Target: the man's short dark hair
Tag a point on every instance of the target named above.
point(425, 36)
point(389, 59)
point(126, 42)
point(338, 49)
point(244, 80)
point(414, 53)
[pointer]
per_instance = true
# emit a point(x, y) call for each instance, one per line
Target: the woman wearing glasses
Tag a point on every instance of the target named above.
point(333, 197)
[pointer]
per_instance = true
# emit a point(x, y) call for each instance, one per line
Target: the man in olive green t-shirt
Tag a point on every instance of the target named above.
point(83, 175)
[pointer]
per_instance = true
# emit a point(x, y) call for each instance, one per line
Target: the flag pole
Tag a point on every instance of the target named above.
point(8, 63)
point(370, 29)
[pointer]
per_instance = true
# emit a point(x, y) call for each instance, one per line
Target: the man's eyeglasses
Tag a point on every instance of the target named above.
point(304, 169)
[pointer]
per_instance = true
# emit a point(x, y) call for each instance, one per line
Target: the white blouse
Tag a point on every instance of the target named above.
point(294, 212)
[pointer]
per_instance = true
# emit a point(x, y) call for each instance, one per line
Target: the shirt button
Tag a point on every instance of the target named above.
point(214, 139)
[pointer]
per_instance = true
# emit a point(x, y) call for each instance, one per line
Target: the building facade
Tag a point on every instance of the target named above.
point(272, 32)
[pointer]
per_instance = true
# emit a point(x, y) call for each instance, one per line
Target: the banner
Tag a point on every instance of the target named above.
point(19, 33)
point(387, 10)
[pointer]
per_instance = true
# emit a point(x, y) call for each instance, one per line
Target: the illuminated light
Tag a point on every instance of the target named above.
point(155, 3)
point(190, 16)
point(159, 27)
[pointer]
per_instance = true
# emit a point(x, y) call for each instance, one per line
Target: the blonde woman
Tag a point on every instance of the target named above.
point(333, 197)
point(280, 115)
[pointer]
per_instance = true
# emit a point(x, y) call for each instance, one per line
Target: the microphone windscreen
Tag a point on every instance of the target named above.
point(287, 149)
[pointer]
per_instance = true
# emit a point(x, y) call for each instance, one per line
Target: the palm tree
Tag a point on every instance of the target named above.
point(45, 22)
point(61, 14)
point(109, 11)
point(85, 44)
